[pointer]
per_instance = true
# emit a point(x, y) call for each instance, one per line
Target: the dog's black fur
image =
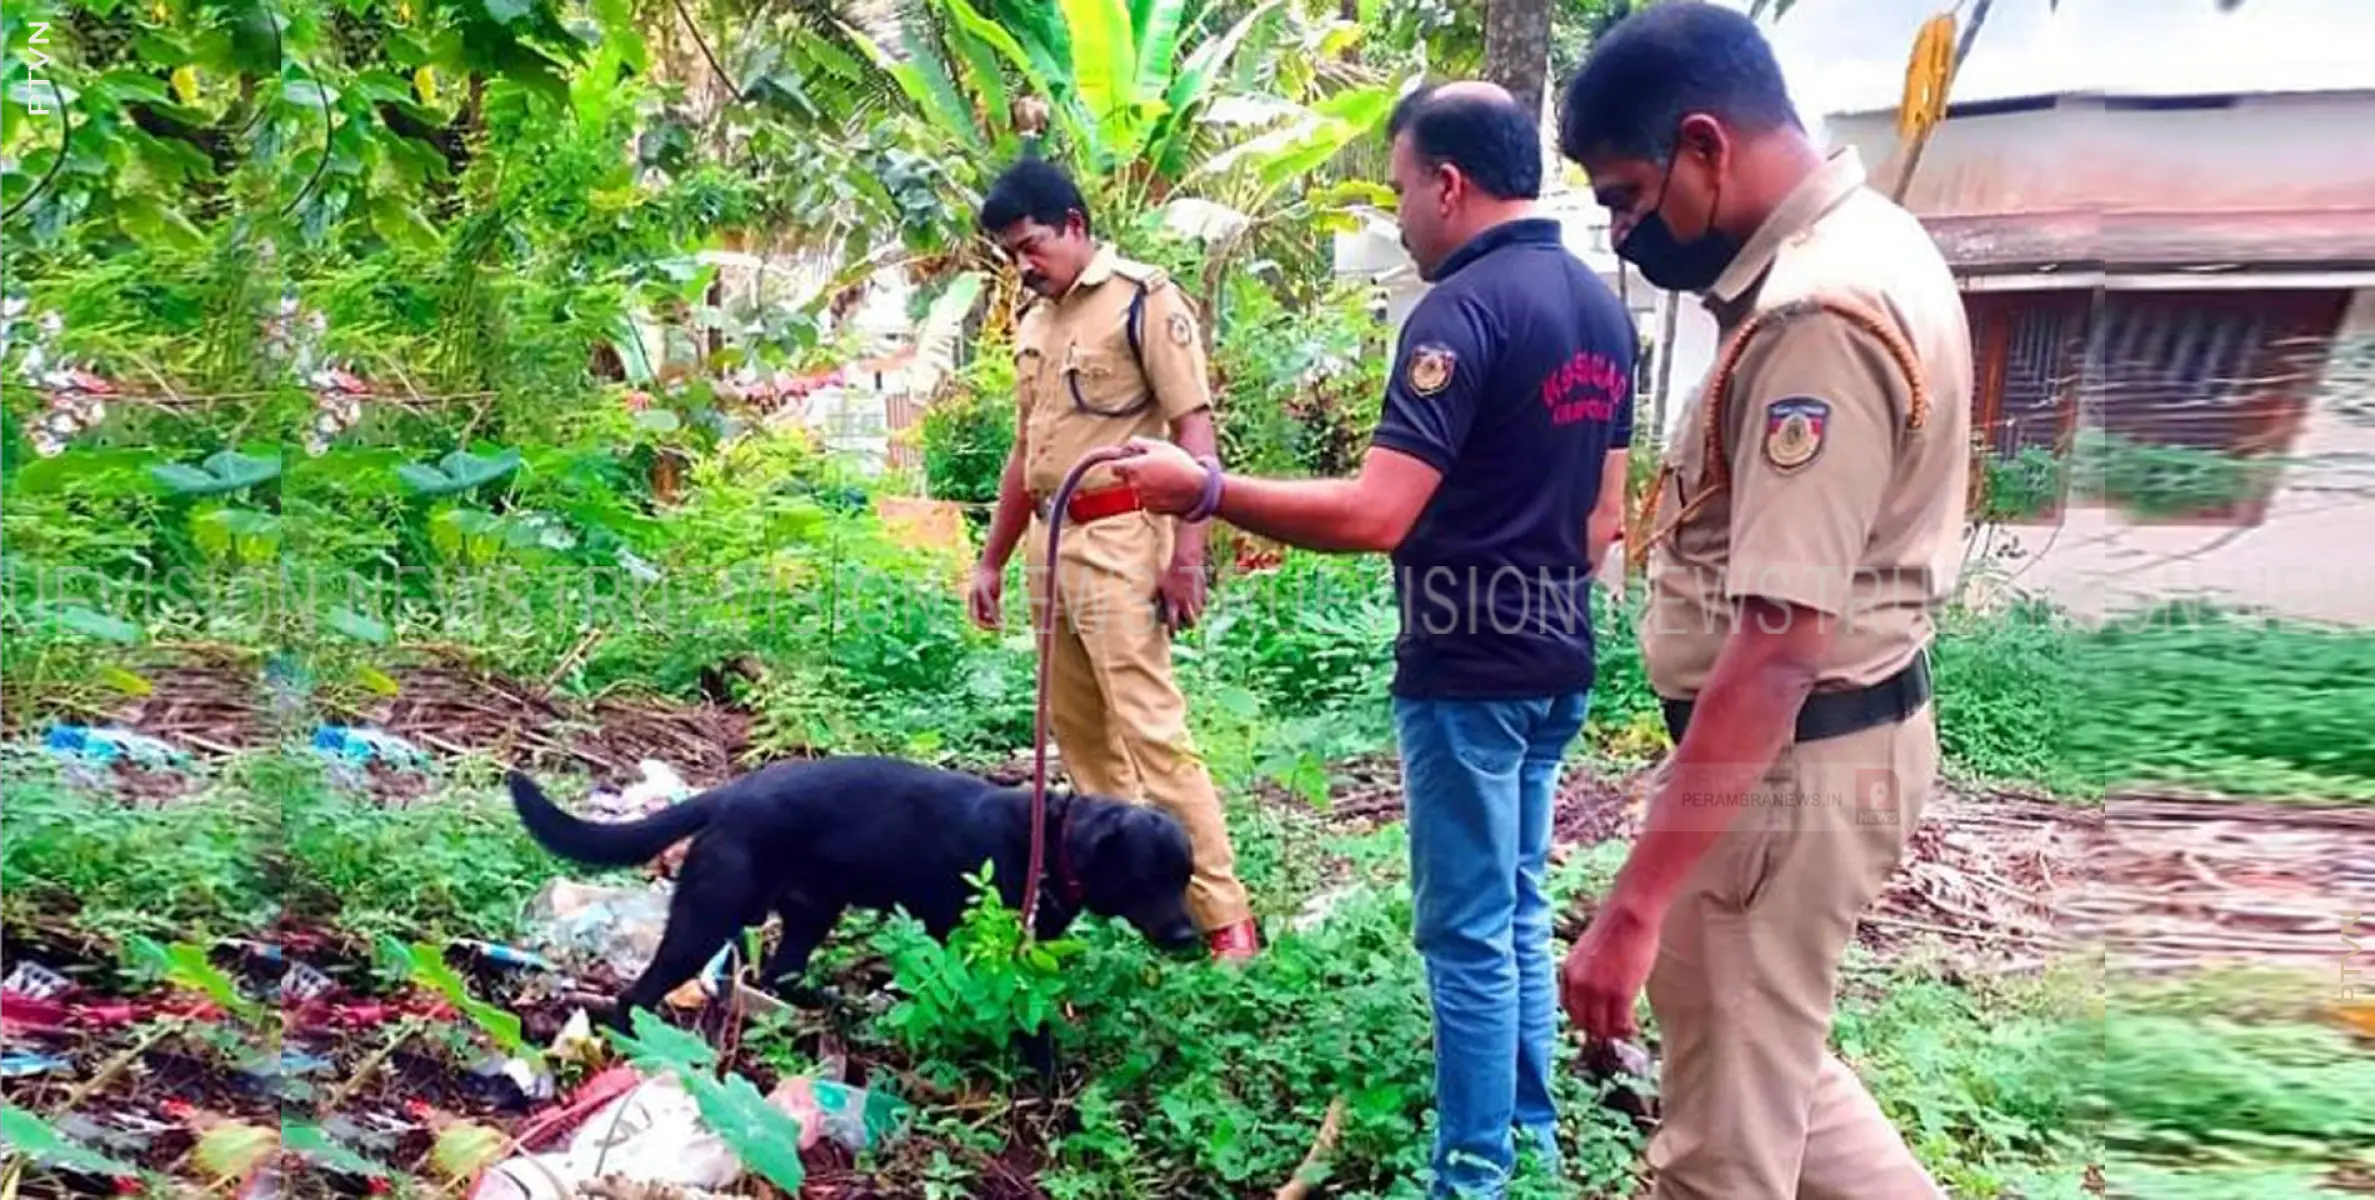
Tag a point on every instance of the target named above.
point(807, 840)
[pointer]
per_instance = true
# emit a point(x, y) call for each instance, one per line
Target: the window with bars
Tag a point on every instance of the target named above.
point(2224, 373)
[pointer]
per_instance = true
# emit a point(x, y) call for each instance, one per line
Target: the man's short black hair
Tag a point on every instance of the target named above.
point(1659, 65)
point(1492, 141)
point(1033, 189)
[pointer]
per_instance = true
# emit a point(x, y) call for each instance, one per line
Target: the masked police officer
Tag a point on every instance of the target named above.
point(1811, 523)
point(1109, 351)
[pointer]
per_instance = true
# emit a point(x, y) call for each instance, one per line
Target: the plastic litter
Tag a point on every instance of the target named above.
point(652, 1135)
point(355, 745)
point(33, 981)
point(512, 1082)
point(576, 1042)
point(303, 984)
point(581, 923)
point(17, 1064)
point(658, 787)
point(20, 1015)
point(508, 956)
point(857, 1118)
point(109, 745)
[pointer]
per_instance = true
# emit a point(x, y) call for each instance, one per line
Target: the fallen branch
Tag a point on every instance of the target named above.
point(115, 1066)
point(1972, 934)
point(1331, 1127)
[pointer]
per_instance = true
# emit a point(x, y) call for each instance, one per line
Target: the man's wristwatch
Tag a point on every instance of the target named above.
point(1208, 503)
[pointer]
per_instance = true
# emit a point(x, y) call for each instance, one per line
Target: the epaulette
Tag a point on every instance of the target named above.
point(1147, 276)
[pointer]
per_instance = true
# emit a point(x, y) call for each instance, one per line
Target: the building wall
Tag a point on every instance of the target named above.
point(2263, 152)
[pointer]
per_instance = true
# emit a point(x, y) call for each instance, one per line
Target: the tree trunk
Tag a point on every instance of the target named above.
point(1517, 48)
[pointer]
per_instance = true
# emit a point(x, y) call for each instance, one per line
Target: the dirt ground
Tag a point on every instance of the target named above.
point(2001, 882)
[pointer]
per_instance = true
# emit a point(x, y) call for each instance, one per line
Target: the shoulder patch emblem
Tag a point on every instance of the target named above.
point(1183, 331)
point(1430, 368)
point(1794, 429)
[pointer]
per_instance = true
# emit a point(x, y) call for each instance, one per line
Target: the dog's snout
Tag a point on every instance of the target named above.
point(1169, 931)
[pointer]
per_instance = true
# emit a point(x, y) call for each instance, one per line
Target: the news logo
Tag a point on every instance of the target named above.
point(1876, 797)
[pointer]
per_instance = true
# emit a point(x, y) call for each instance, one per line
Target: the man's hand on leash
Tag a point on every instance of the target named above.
point(1166, 478)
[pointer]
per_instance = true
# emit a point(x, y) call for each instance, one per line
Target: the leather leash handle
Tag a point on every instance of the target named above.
point(1057, 508)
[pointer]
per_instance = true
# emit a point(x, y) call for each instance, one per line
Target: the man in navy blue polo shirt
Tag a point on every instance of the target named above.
point(1495, 479)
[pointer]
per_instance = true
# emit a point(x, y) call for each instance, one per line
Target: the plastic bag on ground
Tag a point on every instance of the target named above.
point(580, 924)
point(854, 1117)
point(652, 1134)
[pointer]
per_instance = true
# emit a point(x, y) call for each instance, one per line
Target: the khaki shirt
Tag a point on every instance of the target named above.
point(1834, 502)
point(1079, 386)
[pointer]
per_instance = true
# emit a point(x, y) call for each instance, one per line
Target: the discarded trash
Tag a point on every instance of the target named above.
point(16, 1064)
point(264, 951)
point(513, 1082)
point(660, 785)
point(355, 744)
point(651, 1135)
point(582, 923)
point(35, 982)
point(576, 1041)
point(304, 984)
point(856, 1118)
point(119, 1132)
point(301, 1062)
point(27, 1014)
point(508, 956)
point(110, 745)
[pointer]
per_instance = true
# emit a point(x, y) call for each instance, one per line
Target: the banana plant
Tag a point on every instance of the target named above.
point(1123, 86)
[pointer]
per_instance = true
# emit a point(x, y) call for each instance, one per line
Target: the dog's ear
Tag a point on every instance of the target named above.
point(1094, 825)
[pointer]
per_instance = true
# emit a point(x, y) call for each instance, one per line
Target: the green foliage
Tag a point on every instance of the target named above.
point(2143, 479)
point(184, 965)
point(202, 869)
point(459, 866)
point(423, 965)
point(2023, 487)
point(2151, 480)
point(2225, 700)
point(986, 986)
point(1299, 391)
point(968, 433)
point(2207, 1085)
point(27, 1134)
point(2009, 688)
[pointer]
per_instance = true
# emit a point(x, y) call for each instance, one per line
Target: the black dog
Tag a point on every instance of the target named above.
point(807, 840)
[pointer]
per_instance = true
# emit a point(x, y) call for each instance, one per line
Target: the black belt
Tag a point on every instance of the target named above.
point(1836, 714)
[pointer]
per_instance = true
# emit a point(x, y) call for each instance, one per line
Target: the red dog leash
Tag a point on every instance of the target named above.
point(1047, 639)
point(1047, 633)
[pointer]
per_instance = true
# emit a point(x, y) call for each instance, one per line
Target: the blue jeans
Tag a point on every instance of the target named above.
point(1480, 777)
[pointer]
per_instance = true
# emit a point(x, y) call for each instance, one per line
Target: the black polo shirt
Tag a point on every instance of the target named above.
point(1514, 379)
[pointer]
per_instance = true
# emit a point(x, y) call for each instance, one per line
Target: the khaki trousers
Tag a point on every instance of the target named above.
point(1118, 717)
point(1755, 1107)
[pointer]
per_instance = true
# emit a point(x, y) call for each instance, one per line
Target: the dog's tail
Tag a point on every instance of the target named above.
point(601, 843)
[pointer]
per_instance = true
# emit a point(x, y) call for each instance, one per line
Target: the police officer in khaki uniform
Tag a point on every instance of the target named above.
point(1809, 523)
point(1110, 351)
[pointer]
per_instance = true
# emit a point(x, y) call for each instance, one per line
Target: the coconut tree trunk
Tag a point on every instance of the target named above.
point(1517, 48)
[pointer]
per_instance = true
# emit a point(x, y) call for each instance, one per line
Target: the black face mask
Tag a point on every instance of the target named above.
point(1678, 266)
